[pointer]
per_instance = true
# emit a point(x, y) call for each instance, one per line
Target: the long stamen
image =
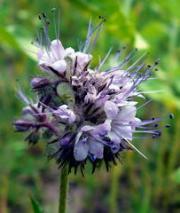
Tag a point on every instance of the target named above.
point(91, 31)
point(137, 150)
point(104, 60)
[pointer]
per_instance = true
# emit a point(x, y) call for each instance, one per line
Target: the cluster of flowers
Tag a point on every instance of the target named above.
point(86, 114)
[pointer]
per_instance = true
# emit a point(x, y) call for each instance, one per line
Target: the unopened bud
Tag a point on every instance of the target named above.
point(22, 125)
point(38, 83)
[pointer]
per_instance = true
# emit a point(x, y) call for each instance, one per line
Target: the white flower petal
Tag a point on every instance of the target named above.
point(68, 51)
point(40, 54)
point(60, 66)
point(87, 128)
point(114, 137)
point(110, 109)
point(101, 129)
point(127, 113)
point(81, 149)
point(82, 59)
point(96, 149)
point(72, 117)
point(124, 132)
point(57, 49)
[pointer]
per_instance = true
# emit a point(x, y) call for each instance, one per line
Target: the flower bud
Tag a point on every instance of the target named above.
point(38, 82)
point(66, 114)
point(22, 125)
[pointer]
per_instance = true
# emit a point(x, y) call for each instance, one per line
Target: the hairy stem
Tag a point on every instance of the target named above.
point(63, 190)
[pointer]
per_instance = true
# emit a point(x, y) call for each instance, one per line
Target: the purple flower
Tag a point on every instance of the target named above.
point(82, 60)
point(65, 114)
point(89, 141)
point(54, 57)
point(98, 118)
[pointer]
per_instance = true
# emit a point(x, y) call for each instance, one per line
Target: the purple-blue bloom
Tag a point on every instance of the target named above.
point(87, 113)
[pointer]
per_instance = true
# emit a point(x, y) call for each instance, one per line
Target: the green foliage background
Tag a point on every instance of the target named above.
point(135, 185)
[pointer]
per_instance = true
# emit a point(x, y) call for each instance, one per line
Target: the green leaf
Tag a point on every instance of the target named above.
point(21, 43)
point(36, 206)
point(8, 39)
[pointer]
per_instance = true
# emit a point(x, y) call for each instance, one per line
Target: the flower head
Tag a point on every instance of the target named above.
point(94, 117)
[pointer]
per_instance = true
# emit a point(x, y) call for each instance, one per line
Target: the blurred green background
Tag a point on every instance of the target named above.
point(135, 185)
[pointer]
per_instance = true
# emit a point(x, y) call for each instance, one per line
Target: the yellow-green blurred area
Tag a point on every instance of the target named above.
point(135, 184)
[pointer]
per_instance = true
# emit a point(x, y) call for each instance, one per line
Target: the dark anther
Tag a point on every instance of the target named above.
point(156, 62)
point(153, 118)
point(171, 116)
point(149, 66)
point(43, 14)
point(156, 69)
point(39, 17)
point(167, 125)
point(102, 17)
point(158, 133)
point(156, 125)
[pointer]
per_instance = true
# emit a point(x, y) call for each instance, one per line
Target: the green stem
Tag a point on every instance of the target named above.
point(63, 190)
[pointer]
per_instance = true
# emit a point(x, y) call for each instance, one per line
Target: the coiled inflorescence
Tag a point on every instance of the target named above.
point(85, 113)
